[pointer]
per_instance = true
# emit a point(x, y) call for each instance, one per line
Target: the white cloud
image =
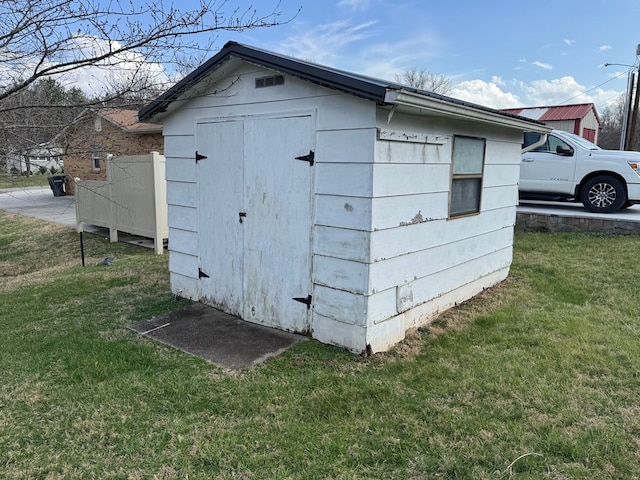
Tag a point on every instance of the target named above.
point(544, 66)
point(566, 90)
point(552, 92)
point(569, 42)
point(498, 81)
point(97, 79)
point(384, 60)
point(332, 44)
point(604, 48)
point(500, 94)
point(354, 4)
point(484, 93)
point(126, 68)
point(324, 43)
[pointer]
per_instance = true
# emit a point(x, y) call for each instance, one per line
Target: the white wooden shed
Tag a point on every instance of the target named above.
point(324, 202)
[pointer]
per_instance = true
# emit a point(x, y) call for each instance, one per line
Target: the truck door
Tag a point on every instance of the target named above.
point(549, 169)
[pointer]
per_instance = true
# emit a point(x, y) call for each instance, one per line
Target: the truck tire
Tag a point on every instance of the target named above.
point(603, 194)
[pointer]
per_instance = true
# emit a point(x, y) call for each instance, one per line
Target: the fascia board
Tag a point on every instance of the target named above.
point(461, 111)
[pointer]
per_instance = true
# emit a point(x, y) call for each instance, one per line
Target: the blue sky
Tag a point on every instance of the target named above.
point(498, 53)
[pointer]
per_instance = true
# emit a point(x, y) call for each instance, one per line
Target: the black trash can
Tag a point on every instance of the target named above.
point(57, 185)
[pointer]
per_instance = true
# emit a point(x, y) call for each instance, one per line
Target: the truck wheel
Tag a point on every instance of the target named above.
point(603, 194)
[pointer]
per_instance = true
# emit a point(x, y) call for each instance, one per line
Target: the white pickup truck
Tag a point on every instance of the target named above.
point(568, 166)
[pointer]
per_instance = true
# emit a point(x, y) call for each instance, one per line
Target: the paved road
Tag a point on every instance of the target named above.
point(39, 202)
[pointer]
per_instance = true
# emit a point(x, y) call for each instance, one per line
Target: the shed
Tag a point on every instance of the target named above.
point(323, 202)
point(581, 119)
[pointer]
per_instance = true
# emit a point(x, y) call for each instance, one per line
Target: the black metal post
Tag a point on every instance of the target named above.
point(82, 248)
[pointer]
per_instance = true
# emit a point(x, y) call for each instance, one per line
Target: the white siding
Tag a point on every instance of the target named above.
point(565, 125)
point(421, 261)
point(345, 133)
point(590, 121)
point(386, 257)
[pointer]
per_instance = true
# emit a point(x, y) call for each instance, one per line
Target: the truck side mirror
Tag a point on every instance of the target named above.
point(564, 151)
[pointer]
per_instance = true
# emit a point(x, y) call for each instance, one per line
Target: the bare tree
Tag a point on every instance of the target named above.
point(131, 49)
point(48, 38)
point(611, 126)
point(33, 116)
point(425, 80)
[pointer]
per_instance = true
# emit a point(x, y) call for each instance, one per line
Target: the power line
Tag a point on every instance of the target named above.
point(597, 86)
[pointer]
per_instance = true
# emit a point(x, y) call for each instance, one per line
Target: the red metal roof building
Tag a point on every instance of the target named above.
point(581, 119)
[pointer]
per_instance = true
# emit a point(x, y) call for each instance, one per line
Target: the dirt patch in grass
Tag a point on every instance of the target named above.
point(457, 318)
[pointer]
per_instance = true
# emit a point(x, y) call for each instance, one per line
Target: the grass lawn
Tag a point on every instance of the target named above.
point(9, 181)
point(536, 378)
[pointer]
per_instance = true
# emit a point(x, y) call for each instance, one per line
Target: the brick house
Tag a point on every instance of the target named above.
point(98, 135)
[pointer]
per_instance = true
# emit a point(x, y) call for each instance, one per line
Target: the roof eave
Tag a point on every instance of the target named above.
point(160, 107)
point(463, 111)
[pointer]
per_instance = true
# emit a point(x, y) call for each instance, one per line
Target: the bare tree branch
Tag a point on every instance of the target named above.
point(424, 80)
point(123, 47)
point(43, 38)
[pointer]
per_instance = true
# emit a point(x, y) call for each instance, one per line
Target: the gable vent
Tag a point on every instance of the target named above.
point(263, 82)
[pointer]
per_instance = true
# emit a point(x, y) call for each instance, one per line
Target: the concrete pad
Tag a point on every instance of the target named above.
point(575, 209)
point(222, 339)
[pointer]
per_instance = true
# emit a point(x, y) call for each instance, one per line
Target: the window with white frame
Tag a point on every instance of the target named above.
point(466, 175)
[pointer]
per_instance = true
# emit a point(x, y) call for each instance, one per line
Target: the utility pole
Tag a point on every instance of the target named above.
point(631, 139)
point(630, 113)
point(624, 131)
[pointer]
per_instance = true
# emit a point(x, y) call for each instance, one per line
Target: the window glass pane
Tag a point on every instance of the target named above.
point(465, 195)
point(468, 155)
point(555, 142)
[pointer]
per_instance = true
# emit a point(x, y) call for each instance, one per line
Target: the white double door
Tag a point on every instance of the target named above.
point(255, 218)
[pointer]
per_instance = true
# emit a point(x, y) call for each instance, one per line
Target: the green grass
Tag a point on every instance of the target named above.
point(19, 181)
point(536, 378)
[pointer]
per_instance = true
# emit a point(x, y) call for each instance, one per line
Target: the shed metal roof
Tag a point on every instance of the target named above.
point(377, 90)
point(556, 113)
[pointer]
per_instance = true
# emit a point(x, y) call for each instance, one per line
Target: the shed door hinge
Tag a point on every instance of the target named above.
point(307, 158)
point(199, 156)
point(306, 300)
point(201, 274)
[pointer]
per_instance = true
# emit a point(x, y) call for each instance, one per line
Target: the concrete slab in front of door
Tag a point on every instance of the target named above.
point(222, 339)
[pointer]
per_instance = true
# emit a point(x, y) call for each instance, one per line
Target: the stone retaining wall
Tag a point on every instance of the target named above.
point(555, 223)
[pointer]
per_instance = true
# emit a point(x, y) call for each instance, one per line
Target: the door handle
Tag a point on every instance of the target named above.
point(528, 159)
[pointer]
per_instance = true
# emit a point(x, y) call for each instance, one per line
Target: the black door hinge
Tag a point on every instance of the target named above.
point(306, 300)
point(199, 156)
point(201, 274)
point(308, 158)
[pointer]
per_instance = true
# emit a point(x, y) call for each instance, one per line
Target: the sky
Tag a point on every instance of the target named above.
point(497, 53)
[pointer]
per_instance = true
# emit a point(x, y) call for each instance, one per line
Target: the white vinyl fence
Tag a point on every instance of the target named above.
point(133, 199)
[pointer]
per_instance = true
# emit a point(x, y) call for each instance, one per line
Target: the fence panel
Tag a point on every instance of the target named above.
point(133, 199)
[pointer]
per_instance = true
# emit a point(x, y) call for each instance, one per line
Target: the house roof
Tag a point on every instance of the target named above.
point(127, 120)
point(557, 112)
point(380, 91)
